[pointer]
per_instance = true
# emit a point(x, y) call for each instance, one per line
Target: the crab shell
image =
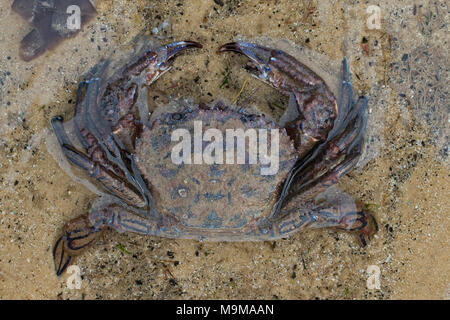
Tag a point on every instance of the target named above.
point(215, 201)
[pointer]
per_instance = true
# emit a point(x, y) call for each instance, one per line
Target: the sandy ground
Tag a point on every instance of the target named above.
point(404, 69)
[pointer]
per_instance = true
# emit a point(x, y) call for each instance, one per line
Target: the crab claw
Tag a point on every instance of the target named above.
point(165, 56)
point(259, 56)
point(156, 62)
point(278, 69)
point(274, 67)
point(315, 103)
point(167, 53)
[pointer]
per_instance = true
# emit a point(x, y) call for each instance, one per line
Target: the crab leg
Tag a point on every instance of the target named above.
point(316, 104)
point(345, 101)
point(333, 159)
point(110, 181)
point(80, 233)
point(86, 116)
point(156, 63)
point(319, 176)
point(307, 182)
point(310, 189)
point(328, 215)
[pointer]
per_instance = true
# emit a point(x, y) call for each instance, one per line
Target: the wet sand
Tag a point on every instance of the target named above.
point(404, 177)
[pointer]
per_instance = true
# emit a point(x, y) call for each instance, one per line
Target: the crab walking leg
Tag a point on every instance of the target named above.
point(86, 97)
point(340, 154)
point(311, 189)
point(80, 233)
point(327, 162)
point(97, 131)
point(315, 177)
point(345, 101)
point(77, 120)
point(315, 102)
point(109, 180)
point(328, 215)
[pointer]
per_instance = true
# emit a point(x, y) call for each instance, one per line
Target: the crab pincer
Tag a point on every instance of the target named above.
point(159, 61)
point(316, 104)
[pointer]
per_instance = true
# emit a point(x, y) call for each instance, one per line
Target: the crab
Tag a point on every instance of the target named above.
point(128, 155)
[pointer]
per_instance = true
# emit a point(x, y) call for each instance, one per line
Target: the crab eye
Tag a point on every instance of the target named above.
point(177, 116)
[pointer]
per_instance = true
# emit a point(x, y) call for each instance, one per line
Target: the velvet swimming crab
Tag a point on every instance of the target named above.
point(129, 156)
